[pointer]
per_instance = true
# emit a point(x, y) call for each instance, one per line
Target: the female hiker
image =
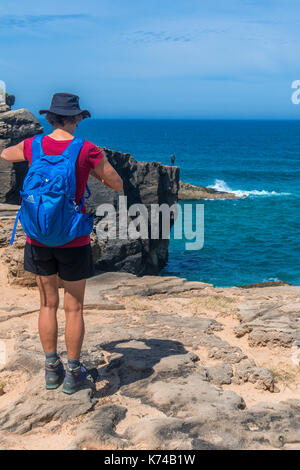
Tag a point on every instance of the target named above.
point(54, 218)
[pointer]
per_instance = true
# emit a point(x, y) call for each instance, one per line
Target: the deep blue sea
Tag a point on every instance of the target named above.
point(248, 240)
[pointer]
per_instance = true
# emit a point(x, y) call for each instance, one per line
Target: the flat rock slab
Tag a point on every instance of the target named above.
point(8, 207)
point(8, 210)
point(125, 284)
point(42, 406)
point(16, 312)
point(271, 316)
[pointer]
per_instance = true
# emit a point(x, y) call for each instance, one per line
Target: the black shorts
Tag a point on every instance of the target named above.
point(71, 264)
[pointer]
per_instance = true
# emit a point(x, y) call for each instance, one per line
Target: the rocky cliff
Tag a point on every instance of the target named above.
point(144, 182)
point(15, 126)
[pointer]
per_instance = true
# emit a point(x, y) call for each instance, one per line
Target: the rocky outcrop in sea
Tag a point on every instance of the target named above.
point(188, 192)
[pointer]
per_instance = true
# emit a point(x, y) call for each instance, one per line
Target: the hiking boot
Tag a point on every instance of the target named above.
point(54, 374)
point(74, 379)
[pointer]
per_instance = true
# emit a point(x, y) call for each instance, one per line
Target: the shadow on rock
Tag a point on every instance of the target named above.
point(133, 360)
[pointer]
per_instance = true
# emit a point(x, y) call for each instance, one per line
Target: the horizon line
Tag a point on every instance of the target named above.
point(187, 119)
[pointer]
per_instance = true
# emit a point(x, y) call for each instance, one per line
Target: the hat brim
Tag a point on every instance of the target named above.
point(67, 112)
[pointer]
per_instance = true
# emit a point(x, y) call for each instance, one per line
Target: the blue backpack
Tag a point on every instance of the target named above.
point(49, 213)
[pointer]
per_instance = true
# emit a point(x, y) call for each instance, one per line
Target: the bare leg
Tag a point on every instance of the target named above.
point(73, 303)
point(49, 296)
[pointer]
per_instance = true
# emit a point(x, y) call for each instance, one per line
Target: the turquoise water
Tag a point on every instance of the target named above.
point(248, 240)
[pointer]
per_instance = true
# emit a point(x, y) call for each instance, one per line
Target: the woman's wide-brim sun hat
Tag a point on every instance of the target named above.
point(66, 104)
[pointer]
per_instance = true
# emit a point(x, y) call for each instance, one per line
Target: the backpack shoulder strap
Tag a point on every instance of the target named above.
point(36, 147)
point(72, 153)
point(73, 149)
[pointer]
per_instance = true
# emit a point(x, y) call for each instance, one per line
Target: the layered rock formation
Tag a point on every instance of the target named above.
point(144, 183)
point(7, 102)
point(15, 126)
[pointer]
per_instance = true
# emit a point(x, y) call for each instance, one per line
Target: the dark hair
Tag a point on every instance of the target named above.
point(56, 119)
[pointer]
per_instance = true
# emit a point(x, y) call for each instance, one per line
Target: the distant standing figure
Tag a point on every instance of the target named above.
point(172, 159)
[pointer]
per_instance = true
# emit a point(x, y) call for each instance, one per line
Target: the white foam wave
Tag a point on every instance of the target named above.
point(222, 186)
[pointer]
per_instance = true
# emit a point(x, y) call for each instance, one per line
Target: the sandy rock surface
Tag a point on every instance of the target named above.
point(181, 366)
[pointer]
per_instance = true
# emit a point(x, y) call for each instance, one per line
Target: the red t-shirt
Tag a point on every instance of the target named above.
point(88, 159)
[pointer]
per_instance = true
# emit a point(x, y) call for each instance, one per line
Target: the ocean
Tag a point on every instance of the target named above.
point(254, 239)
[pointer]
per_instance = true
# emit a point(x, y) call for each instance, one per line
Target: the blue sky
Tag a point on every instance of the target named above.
point(154, 58)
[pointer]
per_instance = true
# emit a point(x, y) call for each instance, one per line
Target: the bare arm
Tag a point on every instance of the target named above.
point(105, 173)
point(14, 153)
